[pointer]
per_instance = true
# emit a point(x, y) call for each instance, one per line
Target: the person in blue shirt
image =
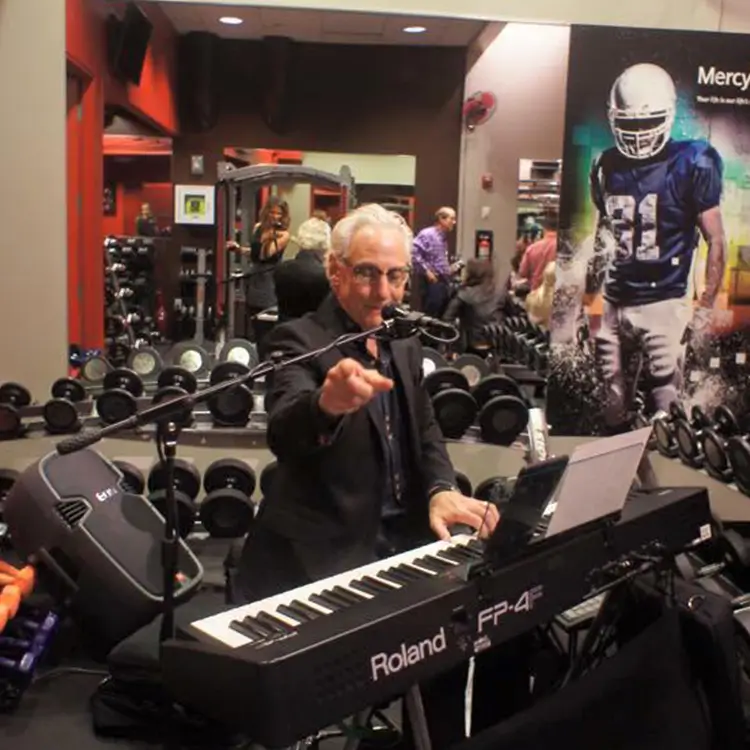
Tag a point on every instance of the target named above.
point(655, 198)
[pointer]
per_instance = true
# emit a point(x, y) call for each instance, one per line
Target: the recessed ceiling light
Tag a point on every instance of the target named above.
point(414, 29)
point(230, 20)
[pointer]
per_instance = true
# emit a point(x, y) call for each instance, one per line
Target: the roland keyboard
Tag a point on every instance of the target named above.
point(283, 667)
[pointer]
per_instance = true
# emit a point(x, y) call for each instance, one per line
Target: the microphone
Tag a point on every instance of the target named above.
point(417, 320)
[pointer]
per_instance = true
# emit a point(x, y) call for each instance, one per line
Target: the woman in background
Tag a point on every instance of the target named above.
point(539, 302)
point(477, 303)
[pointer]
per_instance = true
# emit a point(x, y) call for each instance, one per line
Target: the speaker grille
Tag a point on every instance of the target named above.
point(72, 512)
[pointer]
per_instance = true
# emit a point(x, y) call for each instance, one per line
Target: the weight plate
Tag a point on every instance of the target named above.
point(715, 455)
point(687, 444)
point(677, 411)
point(124, 379)
point(455, 411)
point(186, 510)
point(443, 379)
point(698, 416)
point(725, 421)
point(432, 360)
point(241, 351)
point(228, 371)
point(266, 477)
point(664, 440)
point(464, 484)
point(227, 514)
point(146, 362)
point(496, 385)
point(232, 407)
point(474, 367)
point(133, 480)
point(10, 422)
point(61, 416)
point(183, 417)
point(495, 490)
point(115, 405)
point(502, 419)
point(178, 376)
point(738, 451)
point(69, 389)
point(190, 356)
point(14, 394)
point(229, 473)
point(187, 478)
point(94, 369)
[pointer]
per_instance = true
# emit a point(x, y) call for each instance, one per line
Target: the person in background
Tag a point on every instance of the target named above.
point(145, 223)
point(478, 303)
point(430, 262)
point(301, 284)
point(539, 302)
point(539, 254)
point(268, 242)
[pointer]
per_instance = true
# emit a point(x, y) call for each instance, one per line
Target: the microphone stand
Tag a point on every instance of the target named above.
point(167, 436)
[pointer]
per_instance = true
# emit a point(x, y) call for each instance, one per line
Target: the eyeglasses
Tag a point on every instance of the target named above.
point(366, 273)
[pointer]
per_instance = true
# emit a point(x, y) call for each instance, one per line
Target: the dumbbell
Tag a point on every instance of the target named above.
point(688, 435)
point(495, 490)
point(738, 453)
point(60, 412)
point(731, 550)
point(464, 484)
point(664, 424)
point(122, 387)
point(473, 367)
point(145, 361)
point(232, 407)
point(187, 485)
point(432, 360)
point(267, 476)
point(133, 480)
point(503, 410)
point(13, 398)
point(454, 406)
point(191, 357)
point(8, 477)
point(227, 511)
point(176, 382)
point(714, 443)
point(239, 350)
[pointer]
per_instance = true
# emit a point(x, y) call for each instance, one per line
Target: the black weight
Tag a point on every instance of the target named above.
point(232, 407)
point(179, 377)
point(124, 379)
point(267, 476)
point(725, 421)
point(182, 417)
point(68, 388)
point(94, 369)
point(432, 360)
point(133, 480)
point(735, 550)
point(443, 379)
point(186, 511)
point(503, 419)
point(187, 478)
point(241, 351)
point(473, 367)
point(738, 451)
point(495, 490)
point(227, 510)
point(14, 394)
point(145, 361)
point(664, 433)
point(715, 458)
point(13, 398)
point(464, 484)
point(677, 411)
point(687, 442)
point(698, 417)
point(8, 477)
point(496, 385)
point(455, 411)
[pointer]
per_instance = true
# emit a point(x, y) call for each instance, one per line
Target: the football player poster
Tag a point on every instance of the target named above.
point(652, 300)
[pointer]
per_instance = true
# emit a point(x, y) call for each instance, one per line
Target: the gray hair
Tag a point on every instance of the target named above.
point(367, 215)
point(314, 234)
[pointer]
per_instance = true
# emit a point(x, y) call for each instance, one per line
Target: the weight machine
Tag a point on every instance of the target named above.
point(250, 179)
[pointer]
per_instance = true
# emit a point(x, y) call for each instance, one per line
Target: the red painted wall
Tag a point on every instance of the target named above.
point(153, 101)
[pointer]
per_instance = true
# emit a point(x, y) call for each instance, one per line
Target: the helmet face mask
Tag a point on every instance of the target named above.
point(641, 110)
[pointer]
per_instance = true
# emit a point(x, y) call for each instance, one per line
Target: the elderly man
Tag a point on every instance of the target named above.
point(362, 469)
point(431, 265)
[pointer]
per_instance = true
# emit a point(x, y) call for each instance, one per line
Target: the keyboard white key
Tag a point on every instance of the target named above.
point(219, 626)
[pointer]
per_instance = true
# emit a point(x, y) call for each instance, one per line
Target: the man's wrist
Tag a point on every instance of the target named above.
point(441, 486)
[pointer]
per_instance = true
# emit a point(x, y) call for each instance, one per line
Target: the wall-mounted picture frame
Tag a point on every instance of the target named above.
point(195, 205)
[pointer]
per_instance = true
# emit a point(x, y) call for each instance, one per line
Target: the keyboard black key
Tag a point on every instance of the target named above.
point(432, 563)
point(455, 555)
point(394, 575)
point(373, 585)
point(273, 622)
point(334, 598)
point(415, 573)
point(244, 629)
point(299, 610)
point(366, 587)
point(475, 554)
point(351, 596)
point(326, 602)
point(261, 631)
point(476, 544)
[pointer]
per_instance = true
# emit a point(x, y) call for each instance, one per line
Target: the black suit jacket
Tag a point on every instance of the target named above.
point(301, 285)
point(327, 494)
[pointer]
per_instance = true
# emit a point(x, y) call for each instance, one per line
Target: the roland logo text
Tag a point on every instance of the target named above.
point(408, 654)
point(103, 495)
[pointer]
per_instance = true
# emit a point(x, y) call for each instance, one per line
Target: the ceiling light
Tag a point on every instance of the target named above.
point(415, 29)
point(230, 20)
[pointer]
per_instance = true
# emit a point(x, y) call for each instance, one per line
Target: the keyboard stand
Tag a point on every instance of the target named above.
point(417, 718)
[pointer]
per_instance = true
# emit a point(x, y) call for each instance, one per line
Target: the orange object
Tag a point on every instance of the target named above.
point(10, 599)
point(15, 585)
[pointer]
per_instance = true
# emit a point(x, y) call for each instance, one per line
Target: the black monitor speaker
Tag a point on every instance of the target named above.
point(127, 43)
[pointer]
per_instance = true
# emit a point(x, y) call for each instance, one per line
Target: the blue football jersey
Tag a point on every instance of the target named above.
point(649, 216)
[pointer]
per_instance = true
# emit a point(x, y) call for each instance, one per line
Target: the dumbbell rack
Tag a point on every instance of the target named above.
point(194, 282)
point(118, 306)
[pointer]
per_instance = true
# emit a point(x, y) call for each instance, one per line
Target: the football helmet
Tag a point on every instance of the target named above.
point(642, 105)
